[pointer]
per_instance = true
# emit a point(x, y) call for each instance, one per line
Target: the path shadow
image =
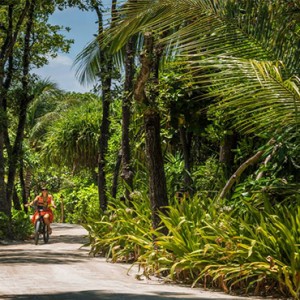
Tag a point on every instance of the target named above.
point(64, 238)
point(60, 235)
point(104, 295)
point(68, 239)
point(41, 257)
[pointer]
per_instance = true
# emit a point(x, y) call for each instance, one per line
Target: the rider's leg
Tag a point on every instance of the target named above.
point(36, 218)
point(47, 222)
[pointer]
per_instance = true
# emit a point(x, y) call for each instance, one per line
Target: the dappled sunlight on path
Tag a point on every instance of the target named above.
point(63, 269)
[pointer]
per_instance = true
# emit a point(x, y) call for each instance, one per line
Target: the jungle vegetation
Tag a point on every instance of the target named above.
point(184, 158)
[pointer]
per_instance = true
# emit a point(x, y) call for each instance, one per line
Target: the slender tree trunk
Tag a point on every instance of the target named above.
point(237, 174)
point(6, 52)
point(15, 155)
point(4, 207)
point(7, 84)
point(26, 98)
point(226, 156)
point(106, 78)
point(103, 144)
point(3, 204)
point(116, 175)
point(186, 149)
point(16, 200)
point(127, 173)
point(23, 184)
point(157, 180)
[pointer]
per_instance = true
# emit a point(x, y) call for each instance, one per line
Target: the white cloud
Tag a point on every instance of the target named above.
point(59, 70)
point(62, 60)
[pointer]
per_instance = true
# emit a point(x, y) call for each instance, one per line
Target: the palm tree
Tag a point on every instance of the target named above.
point(245, 45)
point(244, 53)
point(101, 68)
point(89, 67)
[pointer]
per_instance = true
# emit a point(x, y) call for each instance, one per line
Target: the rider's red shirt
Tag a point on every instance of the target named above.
point(41, 201)
point(47, 210)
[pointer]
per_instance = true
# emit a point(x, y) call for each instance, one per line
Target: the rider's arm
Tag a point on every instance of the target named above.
point(32, 202)
point(52, 202)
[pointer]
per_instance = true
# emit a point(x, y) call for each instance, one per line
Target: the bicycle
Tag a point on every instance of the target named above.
point(40, 228)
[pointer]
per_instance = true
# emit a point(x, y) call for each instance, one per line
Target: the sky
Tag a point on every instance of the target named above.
point(83, 27)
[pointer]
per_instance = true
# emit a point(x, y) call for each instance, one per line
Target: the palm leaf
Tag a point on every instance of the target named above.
point(236, 43)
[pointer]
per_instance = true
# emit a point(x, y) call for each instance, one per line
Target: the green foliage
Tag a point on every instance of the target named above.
point(21, 225)
point(207, 243)
point(174, 168)
point(122, 233)
point(208, 177)
point(237, 251)
point(80, 203)
point(73, 138)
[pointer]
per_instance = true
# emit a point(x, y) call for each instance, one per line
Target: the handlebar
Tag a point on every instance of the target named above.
point(39, 207)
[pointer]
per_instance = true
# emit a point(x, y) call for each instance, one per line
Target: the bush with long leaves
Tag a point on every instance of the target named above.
point(123, 233)
point(208, 244)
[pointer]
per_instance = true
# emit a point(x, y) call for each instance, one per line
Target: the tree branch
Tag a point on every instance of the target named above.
point(268, 158)
point(237, 174)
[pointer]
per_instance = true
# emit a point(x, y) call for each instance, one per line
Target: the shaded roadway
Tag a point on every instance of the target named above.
point(63, 270)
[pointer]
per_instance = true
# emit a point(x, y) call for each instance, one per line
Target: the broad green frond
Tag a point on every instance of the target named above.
point(252, 89)
point(249, 29)
point(233, 49)
point(88, 63)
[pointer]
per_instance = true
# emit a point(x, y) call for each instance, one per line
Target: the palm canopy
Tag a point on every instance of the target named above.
point(244, 52)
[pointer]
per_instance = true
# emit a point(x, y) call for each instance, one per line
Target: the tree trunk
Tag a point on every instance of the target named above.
point(116, 175)
point(103, 144)
point(3, 204)
point(127, 173)
point(157, 180)
point(106, 78)
point(15, 155)
point(5, 53)
point(237, 174)
point(186, 149)
point(226, 156)
point(23, 184)
point(16, 151)
point(16, 200)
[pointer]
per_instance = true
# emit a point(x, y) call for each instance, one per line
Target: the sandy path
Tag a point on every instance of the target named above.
point(63, 270)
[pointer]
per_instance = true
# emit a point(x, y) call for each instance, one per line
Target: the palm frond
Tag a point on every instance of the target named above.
point(88, 63)
point(236, 45)
point(245, 28)
point(253, 89)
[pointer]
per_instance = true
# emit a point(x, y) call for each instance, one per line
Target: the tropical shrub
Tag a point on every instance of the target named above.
point(256, 252)
point(79, 204)
point(174, 168)
point(208, 243)
point(21, 227)
point(123, 233)
point(3, 225)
